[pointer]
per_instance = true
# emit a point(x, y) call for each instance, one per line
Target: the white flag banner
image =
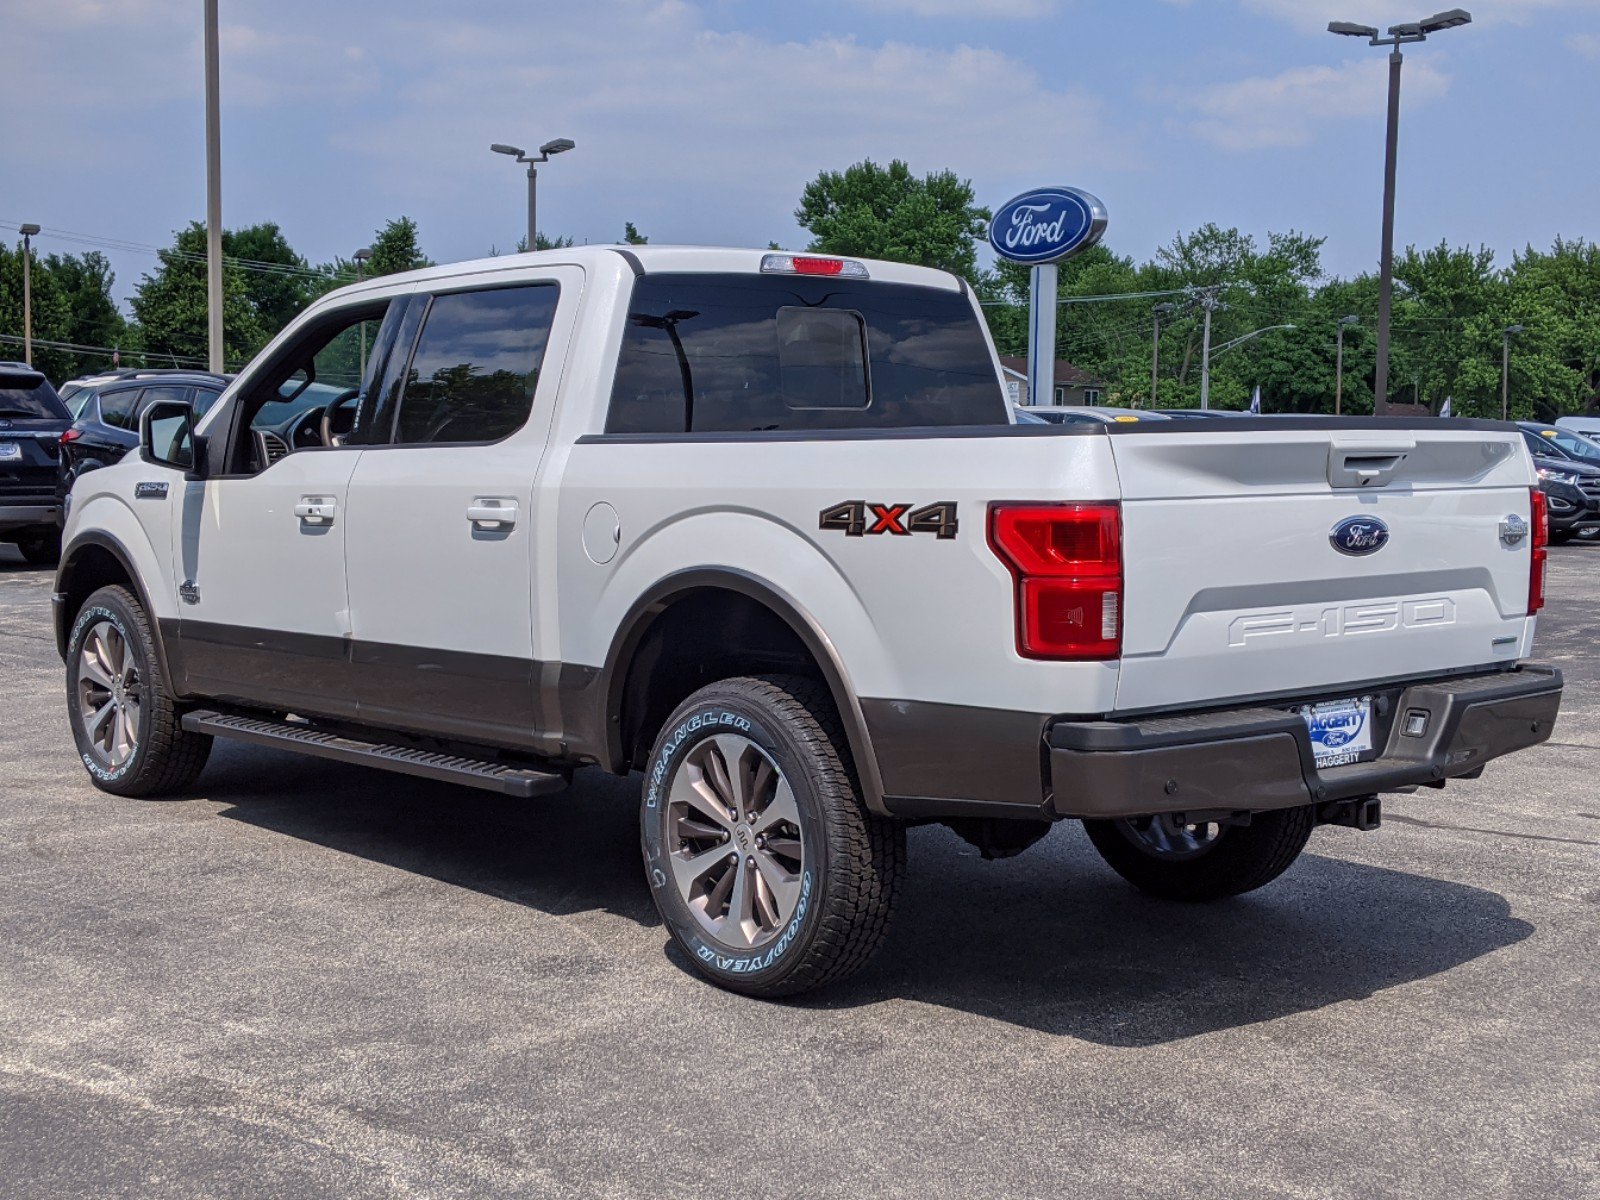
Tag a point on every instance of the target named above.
point(1255, 400)
point(1445, 411)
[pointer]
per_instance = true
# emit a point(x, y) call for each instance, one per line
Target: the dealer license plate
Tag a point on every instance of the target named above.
point(10, 452)
point(1341, 731)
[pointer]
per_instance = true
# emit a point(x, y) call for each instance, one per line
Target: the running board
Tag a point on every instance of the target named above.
point(508, 779)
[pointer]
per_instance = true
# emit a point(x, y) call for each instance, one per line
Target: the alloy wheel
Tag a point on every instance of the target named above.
point(110, 694)
point(737, 850)
point(1166, 837)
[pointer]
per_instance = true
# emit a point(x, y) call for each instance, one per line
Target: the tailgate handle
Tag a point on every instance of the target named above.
point(1351, 468)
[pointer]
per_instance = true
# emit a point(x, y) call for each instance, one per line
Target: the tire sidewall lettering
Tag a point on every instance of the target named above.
point(91, 615)
point(704, 722)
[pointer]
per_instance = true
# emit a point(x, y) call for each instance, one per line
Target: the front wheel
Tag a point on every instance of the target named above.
point(41, 547)
point(767, 868)
point(1178, 860)
point(130, 734)
point(1561, 537)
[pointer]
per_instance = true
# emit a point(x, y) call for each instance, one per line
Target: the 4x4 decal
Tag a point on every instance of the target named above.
point(857, 518)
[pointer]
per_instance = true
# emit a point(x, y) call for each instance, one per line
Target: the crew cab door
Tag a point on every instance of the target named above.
point(260, 571)
point(442, 527)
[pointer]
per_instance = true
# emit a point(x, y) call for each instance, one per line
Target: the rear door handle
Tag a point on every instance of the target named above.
point(492, 512)
point(315, 510)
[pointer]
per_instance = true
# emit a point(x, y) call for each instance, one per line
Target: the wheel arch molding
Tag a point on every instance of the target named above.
point(95, 559)
point(616, 694)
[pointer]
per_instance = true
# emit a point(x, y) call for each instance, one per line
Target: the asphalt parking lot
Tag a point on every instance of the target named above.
point(312, 980)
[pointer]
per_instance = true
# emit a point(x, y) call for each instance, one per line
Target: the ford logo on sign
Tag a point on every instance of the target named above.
point(1047, 225)
point(1359, 535)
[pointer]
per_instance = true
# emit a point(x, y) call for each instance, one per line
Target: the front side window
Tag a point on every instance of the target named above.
point(476, 365)
point(154, 395)
point(729, 352)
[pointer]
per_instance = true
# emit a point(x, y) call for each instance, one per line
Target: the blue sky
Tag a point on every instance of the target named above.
point(702, 121)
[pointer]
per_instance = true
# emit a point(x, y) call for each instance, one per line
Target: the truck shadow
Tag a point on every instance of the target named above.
point(1052, 940)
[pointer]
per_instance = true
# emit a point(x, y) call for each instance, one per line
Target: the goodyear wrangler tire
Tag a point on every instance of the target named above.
point(767, 868)
point(1203, 860)
point(129, 733)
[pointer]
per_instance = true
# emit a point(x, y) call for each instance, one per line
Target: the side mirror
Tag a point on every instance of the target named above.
point(166, 435)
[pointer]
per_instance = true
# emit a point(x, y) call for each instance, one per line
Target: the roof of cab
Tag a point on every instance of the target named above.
point(653, 260)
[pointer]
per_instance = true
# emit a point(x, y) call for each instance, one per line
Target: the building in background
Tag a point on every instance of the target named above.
point(1073, 385)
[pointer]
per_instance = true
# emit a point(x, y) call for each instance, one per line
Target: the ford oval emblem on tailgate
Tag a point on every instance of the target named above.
point(1359, 535)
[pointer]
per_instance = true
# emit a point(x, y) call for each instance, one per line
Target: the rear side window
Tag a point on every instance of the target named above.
point(476, 365)
point(154, 395)
point(714, 353)
point(116, 408)
point(29, 396)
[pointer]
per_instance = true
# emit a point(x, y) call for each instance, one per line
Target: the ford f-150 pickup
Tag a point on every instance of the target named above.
point(762, 527)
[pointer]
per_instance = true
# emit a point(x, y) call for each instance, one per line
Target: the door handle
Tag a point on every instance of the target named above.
point(315, 510)
point(489, 512)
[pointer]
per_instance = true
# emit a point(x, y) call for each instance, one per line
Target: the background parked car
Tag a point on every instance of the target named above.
point(1571, 486)
point(1090, 413)
point(76, 392)
point(32, 421)
point(1588, 426)
point(107, 426)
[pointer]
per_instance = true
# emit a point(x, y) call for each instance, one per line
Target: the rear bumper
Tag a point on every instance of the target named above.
point(1259, 758)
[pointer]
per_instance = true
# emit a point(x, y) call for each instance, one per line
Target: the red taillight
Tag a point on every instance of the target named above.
point(818, 266)
point(1067, 562)
point(802, 264)
point(1541, 538)
point(71, 435)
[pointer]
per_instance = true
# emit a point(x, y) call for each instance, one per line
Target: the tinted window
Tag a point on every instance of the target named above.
point(745, 352)
point(29, 396)
point(1581, 448)
point(204, 398)
point(116, 408)
point(476, 365)
point(154, 394)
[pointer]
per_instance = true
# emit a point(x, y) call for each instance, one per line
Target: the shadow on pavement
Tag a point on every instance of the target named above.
point(1052, 941)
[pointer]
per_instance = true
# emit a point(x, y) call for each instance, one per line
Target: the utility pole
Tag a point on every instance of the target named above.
point(27, 291)
point(213, 195)
point(1399, 35)
point(361, 257)
point(1155, 351)
point(1505, 370)
point(1206, 299)
point(1338, 370)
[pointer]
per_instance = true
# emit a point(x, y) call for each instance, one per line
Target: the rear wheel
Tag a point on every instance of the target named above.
point(1178, 860)
point(129, 733)
point(767, 868)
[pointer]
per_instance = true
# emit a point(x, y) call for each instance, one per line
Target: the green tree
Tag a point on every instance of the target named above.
point(52, 314)
point(170, 306)
point(278, 280)
point(886, 212)
point(93, 318)
point(631, 235)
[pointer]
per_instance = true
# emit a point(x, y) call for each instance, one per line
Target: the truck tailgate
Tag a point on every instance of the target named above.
point(1234, 587)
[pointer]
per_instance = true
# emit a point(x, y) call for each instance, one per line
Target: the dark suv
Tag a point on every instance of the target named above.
point(32, 421)
point(1571, 484)
point(108, 423)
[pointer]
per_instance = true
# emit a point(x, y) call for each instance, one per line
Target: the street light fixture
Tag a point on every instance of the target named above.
point(1208, 352)
point(1399, 35)
point(1338, 370)
point(1505, 370)
point(554, 146)
point(1161, 310)
point(27, 232)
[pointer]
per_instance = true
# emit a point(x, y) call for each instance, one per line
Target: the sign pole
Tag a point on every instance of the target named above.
point(1042, 334)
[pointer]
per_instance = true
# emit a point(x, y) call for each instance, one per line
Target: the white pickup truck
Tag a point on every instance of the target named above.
point(762, 527)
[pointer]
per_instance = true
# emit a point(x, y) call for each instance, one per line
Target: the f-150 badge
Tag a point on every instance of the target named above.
point(858, 518)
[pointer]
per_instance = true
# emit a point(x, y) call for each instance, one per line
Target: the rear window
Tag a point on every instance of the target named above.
point(720, 353)
point(29, 396)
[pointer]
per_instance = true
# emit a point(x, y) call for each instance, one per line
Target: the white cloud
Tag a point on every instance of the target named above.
point(986, 9)
point(1285, 109)
point(1586, 44)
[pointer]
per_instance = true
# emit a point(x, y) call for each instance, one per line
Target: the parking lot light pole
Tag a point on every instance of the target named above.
point(27, 291)
point(361, 256)
point(213, 195)
point(1399, 35)
point(1161, 310)
point(557, 146)
point(1338, 370)
point(1505, 370)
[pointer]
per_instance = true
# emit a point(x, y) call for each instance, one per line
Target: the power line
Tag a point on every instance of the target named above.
point(257, 266)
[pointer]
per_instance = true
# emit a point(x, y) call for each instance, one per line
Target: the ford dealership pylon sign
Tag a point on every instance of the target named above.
point(1041, 228)
point(1047, 225)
